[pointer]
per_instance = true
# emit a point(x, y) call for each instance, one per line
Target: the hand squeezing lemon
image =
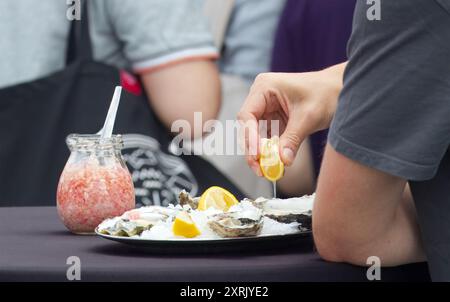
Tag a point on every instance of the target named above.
point(270, 161)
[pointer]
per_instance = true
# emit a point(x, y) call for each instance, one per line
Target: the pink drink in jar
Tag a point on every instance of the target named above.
point(95, 183)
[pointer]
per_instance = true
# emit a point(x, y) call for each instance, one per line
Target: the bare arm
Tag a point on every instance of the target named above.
point(361, 212)
point(177, 91)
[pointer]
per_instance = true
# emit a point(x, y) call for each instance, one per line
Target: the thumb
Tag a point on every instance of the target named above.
point(291, 139)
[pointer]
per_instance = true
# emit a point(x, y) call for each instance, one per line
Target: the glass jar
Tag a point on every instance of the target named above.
point(95, 183)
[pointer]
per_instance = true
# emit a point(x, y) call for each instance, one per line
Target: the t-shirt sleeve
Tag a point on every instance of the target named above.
point(156, 33)
point(394, 111)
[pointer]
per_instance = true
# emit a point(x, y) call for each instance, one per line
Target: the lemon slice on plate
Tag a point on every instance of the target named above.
point(270, 161)
point(218, 198)
point(184, 226)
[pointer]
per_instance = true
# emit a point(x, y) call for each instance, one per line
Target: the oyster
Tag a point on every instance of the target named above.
point(238, 223)
point(153, 214)
point(125, 228)
point(134, 222)
point(288, 210)
point(186, 199)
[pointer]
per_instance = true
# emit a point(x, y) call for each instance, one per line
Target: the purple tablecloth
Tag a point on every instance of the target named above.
point(34, 246)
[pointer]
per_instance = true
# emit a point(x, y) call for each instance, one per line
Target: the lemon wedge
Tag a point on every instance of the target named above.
point(184, 226)
point(270, 161)
point(218, 198)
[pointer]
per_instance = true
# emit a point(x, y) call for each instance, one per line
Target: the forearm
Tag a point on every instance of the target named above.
point(178, 92)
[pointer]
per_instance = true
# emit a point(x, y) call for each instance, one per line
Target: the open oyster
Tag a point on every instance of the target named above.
point(123, 227)
point(134, 222)
point(288, 210)
point(153, 214)
point(241, 221)
point(186, 199)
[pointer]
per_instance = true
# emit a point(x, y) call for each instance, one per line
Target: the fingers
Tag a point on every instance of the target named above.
point(261, 100)
point(254, 165)
point(250, 137)
point(252, 111)
point(292, 137)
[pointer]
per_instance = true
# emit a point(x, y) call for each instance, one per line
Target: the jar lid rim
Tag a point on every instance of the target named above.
point(93, 141)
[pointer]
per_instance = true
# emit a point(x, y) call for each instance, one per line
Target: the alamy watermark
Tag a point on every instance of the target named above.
point(73, 272)
point(213, 137)
point(374, 270)
point(374, 10)
point(74, 10)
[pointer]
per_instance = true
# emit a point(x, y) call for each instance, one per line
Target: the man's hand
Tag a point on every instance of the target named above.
point(303, 103)
point(177, 91)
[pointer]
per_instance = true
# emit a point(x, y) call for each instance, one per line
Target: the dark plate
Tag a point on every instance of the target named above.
point(265, 242)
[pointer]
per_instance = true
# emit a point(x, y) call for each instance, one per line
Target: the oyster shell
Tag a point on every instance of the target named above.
point(153, 214)
point(237, 224)
point(135, 221)
point(186, 199)
point(123, 227)
point(288, 210)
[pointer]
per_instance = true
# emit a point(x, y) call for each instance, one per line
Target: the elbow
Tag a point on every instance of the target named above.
point(334, 244)
point(209, 111)
point(213, 99)
point(208, 120)
point(327, 244)
point(216, 94)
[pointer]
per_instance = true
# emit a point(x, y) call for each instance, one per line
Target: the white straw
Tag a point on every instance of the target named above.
point(107, 129)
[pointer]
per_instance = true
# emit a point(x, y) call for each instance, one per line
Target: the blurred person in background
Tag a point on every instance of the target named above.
point(166, 42)
point(248, 42)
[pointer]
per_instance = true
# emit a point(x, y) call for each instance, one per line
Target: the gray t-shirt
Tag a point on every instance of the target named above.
point(136, 34)
point(394, 111)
